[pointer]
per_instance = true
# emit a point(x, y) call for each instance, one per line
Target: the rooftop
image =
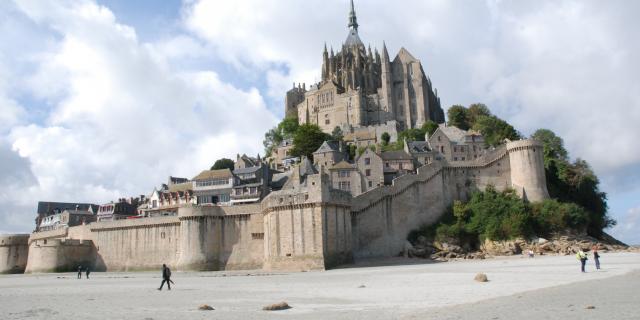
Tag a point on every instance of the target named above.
point(213, 174)
point(395, 155)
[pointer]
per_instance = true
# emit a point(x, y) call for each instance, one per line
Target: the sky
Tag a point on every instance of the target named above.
point(105, 99)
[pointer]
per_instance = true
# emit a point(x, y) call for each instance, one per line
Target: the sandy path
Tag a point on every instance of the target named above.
point(389, 292)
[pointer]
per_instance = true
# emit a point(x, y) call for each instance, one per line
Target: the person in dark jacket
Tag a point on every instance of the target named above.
point(87, 270)
point(596, 256)
point(79, 272)
point(166, 277)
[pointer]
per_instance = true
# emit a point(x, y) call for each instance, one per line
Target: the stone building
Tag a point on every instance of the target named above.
point(47, 208)
point(455, 144)
point(329, 153)
point(214, 186)
point(250, 184)
point(361, 88)
point(346, 177)
point(371, 167)
point(122, 209)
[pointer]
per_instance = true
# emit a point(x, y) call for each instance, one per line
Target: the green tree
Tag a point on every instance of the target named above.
point(574, 182)
point(429, 127)
point(457, 116)
point(223, 163)
point(352, 151)
point(495, 130)
point(286, 129)
point(336, 134)
point(386, 137)
point(307, 139)
point(475, 111)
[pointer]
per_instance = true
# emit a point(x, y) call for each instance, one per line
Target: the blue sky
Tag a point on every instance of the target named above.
point(103, 99)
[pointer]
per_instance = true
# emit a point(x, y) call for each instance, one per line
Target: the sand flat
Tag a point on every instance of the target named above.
point(412, 291)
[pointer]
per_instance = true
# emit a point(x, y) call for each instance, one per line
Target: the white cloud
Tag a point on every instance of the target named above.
point(627, 227)
point(121, 118)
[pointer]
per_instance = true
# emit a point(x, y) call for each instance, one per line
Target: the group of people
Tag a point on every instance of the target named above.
point(582, 257)
point(87, 271)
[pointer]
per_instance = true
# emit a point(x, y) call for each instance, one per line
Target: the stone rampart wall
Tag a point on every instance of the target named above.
point(60, 255)
point(14, 250)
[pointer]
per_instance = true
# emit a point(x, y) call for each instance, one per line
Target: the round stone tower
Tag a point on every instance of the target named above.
point(527, 169)
point(14, 249)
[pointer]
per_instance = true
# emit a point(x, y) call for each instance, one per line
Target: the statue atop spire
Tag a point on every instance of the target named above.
point(353, 39)
point(353, 20)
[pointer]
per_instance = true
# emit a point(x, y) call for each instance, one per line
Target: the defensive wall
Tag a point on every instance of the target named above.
point(305, 226)
point(14, 249)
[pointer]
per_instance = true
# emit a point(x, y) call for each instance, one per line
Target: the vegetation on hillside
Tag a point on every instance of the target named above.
point(478, 117)
point(223, 163)
point(576, 203)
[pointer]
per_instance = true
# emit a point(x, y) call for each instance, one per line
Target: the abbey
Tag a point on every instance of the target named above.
point(312, 215)
point(361, 88)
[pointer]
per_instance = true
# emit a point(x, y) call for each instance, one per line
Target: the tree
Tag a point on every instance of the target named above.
point(385, 138)
point(307, 139)
point(457, 116)
point(223, 163)
point(336, 134)
point(475, 111)
point(429, 127)
point(495, 130)
point(286, 129)
point(573, 182)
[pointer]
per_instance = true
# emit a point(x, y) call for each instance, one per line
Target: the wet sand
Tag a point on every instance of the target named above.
point(539, 288)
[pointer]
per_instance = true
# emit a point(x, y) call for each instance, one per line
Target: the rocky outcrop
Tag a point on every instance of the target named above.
point(564, 244)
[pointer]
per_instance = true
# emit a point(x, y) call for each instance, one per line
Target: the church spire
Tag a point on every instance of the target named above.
point(353, 21)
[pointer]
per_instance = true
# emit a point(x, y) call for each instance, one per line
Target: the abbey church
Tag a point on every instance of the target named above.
point(361, 88)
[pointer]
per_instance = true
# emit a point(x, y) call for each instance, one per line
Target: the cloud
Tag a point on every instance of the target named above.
point(627, 228)
point(120, 117)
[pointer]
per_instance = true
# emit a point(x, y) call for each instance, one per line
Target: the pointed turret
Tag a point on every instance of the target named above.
point(353, 20)
point(385, 53)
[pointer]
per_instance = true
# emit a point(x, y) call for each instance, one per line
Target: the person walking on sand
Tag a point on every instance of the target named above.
point(87, 271)
point(166, 277)
point(583, 258)
point(596, 256)
point(79, 272)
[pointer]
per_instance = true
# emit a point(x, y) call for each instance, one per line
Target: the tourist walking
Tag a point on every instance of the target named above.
point(596, 257)
point(166, 277)
point(583, 258)
point(87, 271)
point(79, 272)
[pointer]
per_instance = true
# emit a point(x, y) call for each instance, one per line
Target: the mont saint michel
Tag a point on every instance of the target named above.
point(169, 147)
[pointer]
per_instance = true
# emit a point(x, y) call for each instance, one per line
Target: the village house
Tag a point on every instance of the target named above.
point(251, 184)
point(47, 208)
point(122, 209)
point(455, 144)
point(212, 187)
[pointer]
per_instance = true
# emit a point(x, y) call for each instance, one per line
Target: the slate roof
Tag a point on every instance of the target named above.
point(456, 134)
point(395, 155)
point(213, 174)
point(247, 170)
point(418, 146)
point(45, 207)
point(342, 165)
point(181, 187)
point(328, 146)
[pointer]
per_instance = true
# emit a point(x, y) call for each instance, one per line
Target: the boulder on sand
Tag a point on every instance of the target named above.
point(205, 307)
point(277, 306)
point(481, 277)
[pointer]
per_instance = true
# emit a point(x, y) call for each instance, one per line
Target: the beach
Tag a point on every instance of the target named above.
point(545, 287)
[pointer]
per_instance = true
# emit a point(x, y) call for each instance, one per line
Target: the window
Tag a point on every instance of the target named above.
point(400, 167)
point(367, 173)
point(474, 148)
point(455, 149)
point(442, 149)
point(344, 173)
point(370, 184)
point(344, 185)
point(253, 190)
point(386, 164)
point(238, 192)
point(367, 161)
point(326, 121)
point(455, 158)
point(439, 139)
point(462, 158)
